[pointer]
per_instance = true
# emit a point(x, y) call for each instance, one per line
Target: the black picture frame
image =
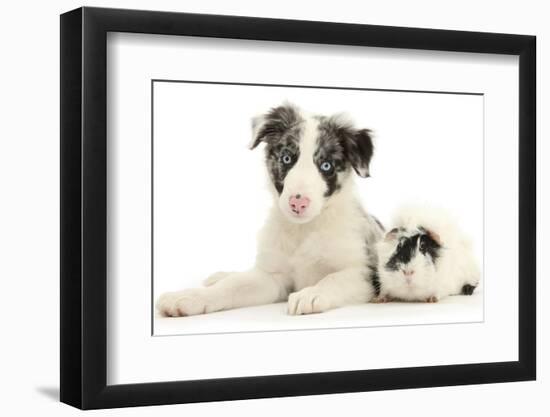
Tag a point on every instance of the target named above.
point(84, 209)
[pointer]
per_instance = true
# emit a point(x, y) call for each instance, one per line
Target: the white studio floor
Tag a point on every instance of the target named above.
point(273, 317)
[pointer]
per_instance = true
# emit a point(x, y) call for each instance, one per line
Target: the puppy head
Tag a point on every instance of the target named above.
point(310, 158)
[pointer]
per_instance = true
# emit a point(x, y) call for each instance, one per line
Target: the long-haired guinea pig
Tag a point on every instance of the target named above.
point(425, 257)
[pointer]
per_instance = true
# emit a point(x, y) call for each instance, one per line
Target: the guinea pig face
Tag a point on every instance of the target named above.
point(410, 257)
point(309, 158)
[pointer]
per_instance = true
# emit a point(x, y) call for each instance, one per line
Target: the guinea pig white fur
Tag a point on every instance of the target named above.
point(425, 257)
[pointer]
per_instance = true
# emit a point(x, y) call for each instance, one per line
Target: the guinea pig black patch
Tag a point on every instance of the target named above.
point(407, 247)
point(468, 289)
point(428, 245)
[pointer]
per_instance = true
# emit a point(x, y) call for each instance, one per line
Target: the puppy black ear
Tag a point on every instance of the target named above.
point(359, 149)
point(356, 143)
point(272, 125)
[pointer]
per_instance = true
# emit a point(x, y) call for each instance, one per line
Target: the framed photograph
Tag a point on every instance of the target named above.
point(257, 207)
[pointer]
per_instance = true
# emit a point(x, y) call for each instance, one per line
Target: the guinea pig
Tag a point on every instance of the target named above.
point(424, 257)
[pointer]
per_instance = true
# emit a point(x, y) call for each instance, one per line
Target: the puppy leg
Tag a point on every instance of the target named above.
point(216, 277)
point(348, 286)
point(239, 289)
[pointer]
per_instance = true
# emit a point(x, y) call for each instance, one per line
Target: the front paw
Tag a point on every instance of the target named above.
point(186, 303)
point(307, 301)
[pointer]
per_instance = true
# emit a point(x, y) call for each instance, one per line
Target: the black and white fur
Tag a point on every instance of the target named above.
point(318, 259)
point(425, 257)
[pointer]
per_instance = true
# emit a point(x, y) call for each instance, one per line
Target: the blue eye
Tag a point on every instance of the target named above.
point(286, 159)
point(326, 166)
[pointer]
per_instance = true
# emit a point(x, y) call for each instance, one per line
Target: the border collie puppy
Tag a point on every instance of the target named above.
point(316, 249)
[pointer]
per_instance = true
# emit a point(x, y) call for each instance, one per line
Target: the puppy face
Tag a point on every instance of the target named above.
point(309, 158)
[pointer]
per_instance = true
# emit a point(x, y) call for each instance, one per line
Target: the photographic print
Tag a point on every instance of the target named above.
point(259, 208)
point(314, 207)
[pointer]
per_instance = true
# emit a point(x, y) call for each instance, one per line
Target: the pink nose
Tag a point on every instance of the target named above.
point(298, 203)
point(408, 272)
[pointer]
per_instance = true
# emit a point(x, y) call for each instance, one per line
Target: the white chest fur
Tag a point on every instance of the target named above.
point(303, 254)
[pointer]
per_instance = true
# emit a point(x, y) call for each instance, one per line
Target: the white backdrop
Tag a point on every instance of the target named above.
point(29, 220)
point(210, 193)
